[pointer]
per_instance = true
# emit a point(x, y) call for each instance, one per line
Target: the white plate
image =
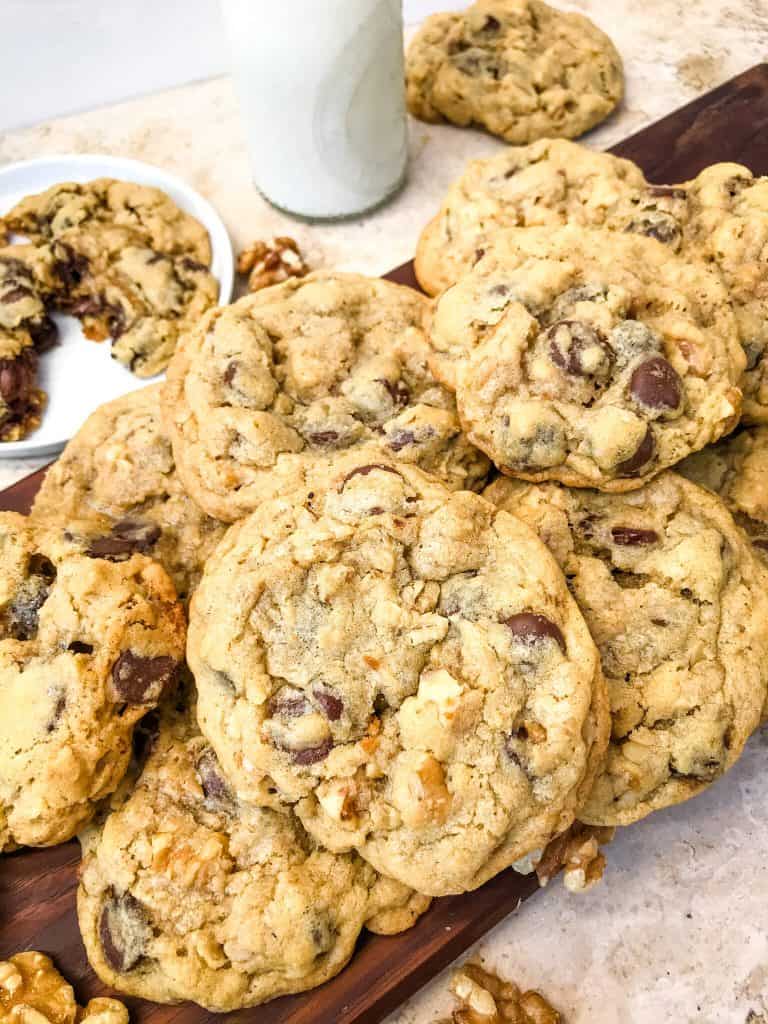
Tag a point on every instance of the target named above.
point(79, 375)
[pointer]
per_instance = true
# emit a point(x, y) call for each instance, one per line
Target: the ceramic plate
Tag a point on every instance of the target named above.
point(79, 375)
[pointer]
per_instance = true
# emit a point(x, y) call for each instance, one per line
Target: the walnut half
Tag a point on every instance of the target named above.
point(576, 852)
point(484, 998)
point(33, 992)
point(269, 263)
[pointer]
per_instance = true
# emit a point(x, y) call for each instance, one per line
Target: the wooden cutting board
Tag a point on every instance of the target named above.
point(37, 887)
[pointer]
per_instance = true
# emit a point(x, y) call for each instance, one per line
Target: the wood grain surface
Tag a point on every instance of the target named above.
point(37, 886)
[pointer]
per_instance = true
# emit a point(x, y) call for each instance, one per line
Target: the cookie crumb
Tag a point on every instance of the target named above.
point(484, 998)
point(268, 263)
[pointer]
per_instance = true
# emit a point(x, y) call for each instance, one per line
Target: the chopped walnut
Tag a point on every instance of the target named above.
point(269, 263)
point(484, 998)
point(33, 992)
point(576, 852)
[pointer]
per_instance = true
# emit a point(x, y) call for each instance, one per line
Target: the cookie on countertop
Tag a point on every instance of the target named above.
point(87, 647)
point(677, 603)
point(265, 391)
point(405, 663)
point(518, 68)
point(590, 357)
point(118, 471)
point(188, 894)
point(737, 470)
point(33, 992)
point(546, 184)
point(126, 260)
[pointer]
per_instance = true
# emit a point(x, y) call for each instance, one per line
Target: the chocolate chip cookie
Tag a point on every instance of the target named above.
point(188, 894)
point(593, 358)
point(737, 470)
point(518, 68)
point(677, 603)
point(118, 472)
point(263, 392)
point(546, 184)
point(406, 665)
point(33, 992)
point(87, 646)
point(126, 260)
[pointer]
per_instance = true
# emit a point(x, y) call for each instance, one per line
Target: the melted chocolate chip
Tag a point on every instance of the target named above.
point(71, 266)
point(655, 384)
point(212, 782)
point(491, 24)
point(44, 334)
point(139, 680)
point(332, 706)
point(364, 471)
point(633, 536)
point(126, 537)
point(288, 703)
point(479, 253)
point(570, 341)
point(325, 438)
point(17, 378)
point(401, 439)
point(20, 618)
point(531, 628)
point(643, 455)
point(78, 647)
point(123, 931)
point(144, 738)
point(398, 390)
point(229, 373)
point(311, 755)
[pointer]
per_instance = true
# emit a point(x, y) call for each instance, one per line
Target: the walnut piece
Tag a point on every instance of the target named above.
point(576, 852)
point(484, 998)
point(269, 263)
point(33, 992)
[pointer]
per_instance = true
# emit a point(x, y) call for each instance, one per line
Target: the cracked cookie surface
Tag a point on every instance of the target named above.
point(592, 358)
point(119, 472)
point(518, 68)
point(33, 992)
point(405, 664)
point(677, 603)
point(266, 390)
point(187, 894)
point(546, 184)
point(87, 647)
point(125, 260)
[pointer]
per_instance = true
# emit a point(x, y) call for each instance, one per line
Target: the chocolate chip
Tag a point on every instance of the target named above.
point(213, 784)
point(70, 266)
point(569, 343)
point(531, 628)
point(643, 455)
point(491, 24)
point(17, 294)
point(44, 334)
point(41, 565)
point(332, 706)
point(229, 373)
point(398, 390)
point(78, 647)
point(311, 755)
point(667, 191)
point(124, 931)
point(17, 378)
point(660, 226)
point(479, 253)
point(325, 438)
point(140, 680)
point(144, 738)
point(20, 618)
point(401, 439)
point(655, 384)
point(364, 471)
point(633, 536)
point(288, 703)
point(126, 537)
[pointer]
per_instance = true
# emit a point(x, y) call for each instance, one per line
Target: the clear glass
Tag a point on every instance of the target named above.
point(321, 88)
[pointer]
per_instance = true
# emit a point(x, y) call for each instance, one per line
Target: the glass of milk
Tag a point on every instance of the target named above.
point(322, 93)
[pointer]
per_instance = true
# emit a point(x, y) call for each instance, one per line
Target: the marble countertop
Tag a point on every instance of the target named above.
point(678, 930)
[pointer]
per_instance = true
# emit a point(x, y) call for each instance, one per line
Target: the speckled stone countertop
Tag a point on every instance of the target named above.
point(678, 930)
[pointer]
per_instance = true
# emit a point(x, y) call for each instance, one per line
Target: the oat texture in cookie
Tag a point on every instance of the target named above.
point(677, 603)
point(33, 992)
point(519, 68)
point(263, 392)
point(545, 184)
point(485, 998)
point(118, 473)
point(590, 357)
point(87, 647)
point(406, 665)
point(125, 260)
point(188, 894)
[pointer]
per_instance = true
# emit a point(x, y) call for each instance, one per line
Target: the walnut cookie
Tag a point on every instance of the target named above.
point(125, 260)
point(263, 392)
point(519, 68)
point(677, 603)
point(546, 184)
point(187, 894)
point(406, 664)
point(87, 647)
point(33, 992)
point(118, 472)
point(592, 358)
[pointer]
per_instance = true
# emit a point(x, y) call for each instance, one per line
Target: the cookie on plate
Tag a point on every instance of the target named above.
point(518, 68)
point(737, 470)
point(118, 472)
point(546, 184)
point(590, 357)
point(406, 665)
point(126, 260)
point(87, 647)
point(677, 603)
point(33, 992)
point(187, 894)
point(265, 391)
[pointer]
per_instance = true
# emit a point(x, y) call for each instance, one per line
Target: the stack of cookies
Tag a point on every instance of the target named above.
point(448, 608)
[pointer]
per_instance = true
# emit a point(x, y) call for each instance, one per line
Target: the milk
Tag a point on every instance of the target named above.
point(320, 84)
